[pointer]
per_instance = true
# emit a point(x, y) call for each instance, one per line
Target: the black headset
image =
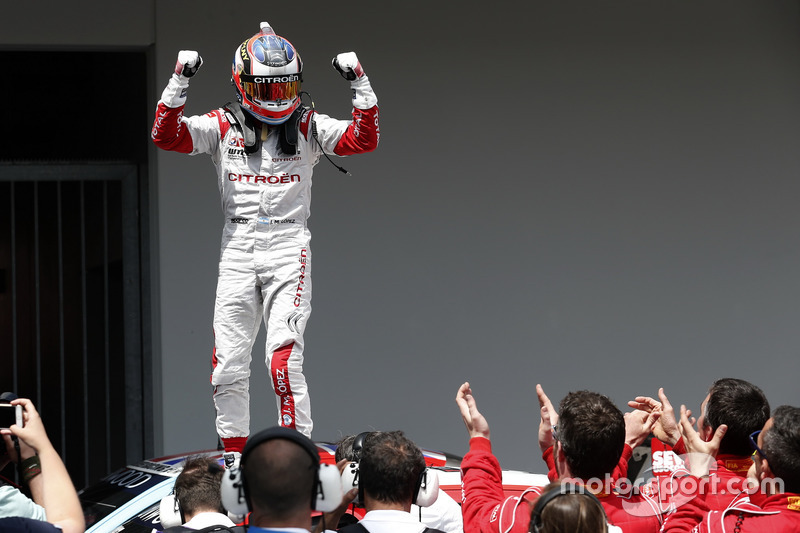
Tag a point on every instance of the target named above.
point(350, 476)
point(562, 490)
point(425, 491)
point(326, 492)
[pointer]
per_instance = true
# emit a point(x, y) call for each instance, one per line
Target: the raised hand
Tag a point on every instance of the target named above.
point(348, 66)
point(476, 423)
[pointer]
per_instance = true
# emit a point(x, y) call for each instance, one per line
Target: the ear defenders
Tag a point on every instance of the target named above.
point(563, 490)
point(326, 493)
point(425, 493)
point(169, 512)
point(350, 474)
point(427, 488)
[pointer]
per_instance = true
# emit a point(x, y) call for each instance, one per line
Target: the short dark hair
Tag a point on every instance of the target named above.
point(197, 486)
point(741, 406)
point(591, 430)
point(390, 467)
point(344, 448)
point(782, 446)
point(350, 447)
point(280, 476)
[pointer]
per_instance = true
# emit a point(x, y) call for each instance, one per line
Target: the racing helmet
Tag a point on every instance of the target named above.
point(266, 73)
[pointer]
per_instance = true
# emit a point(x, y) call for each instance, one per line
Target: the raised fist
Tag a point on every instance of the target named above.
point(188, 64)
point(348, 66)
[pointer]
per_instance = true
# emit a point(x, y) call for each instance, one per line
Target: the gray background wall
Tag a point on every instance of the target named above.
point(586, 194)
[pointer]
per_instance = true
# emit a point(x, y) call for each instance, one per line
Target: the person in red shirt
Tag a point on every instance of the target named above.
point(588, 439)
point(774, 504)
point(736, 404)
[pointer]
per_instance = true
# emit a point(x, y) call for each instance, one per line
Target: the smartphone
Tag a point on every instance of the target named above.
point(10, 415)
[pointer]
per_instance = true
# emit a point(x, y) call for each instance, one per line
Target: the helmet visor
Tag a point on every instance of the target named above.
point(270, 88)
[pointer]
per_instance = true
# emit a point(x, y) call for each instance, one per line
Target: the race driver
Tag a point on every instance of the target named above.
point(264, 147)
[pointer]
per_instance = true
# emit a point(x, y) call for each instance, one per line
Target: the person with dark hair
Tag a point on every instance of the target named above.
point(637, 424)
point(583, 444)
point(781, 444)
point(344, 449)
point(568, 508)
point(734, 404)
point(591, 434)
point(391, 469)
point(774, 503)
point(741, 406)
point(443, 514)
point(197, 494)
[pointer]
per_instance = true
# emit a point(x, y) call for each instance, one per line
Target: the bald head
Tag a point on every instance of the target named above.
point(280, 477)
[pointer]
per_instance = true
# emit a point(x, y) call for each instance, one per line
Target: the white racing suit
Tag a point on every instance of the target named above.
point(265, 258)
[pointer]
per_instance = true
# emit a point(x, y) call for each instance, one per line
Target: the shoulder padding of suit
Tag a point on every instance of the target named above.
point(288, 132)
point(291, 129)
point(247, 124)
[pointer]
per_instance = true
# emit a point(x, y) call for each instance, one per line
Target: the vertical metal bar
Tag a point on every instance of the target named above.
point(37, 296)
point(85, 336)
point(106, 321)
point(14, 337)
point(61, 355)
point(135, 430)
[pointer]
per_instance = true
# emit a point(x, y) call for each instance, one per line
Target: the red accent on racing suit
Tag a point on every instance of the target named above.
point(487, 510)
point(726, 482)
point(757, 513)
point(265, 258)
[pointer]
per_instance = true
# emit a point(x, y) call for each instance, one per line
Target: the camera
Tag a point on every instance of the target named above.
point(10, 415)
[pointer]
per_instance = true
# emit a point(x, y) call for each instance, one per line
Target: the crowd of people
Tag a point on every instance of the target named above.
point(740, 468)
point(264, 147)
point(740, 471)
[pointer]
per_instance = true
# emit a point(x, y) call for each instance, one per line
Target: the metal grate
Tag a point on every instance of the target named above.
point(70, 309)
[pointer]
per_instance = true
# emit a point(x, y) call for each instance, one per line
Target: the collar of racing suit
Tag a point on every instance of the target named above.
point(251, 128)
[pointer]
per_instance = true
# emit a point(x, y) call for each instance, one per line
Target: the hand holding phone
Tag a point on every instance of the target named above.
point(10, 415)
point(30, 431)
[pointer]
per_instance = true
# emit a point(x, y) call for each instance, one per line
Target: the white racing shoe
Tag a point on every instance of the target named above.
point(231, 459)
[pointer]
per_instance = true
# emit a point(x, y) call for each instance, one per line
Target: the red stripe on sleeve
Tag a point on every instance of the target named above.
point(362, 135)
point(169, 131)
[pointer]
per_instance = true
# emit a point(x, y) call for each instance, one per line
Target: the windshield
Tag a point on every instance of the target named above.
point(105, 497)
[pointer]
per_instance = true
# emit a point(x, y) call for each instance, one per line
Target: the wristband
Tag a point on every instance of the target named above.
point(30, 468)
